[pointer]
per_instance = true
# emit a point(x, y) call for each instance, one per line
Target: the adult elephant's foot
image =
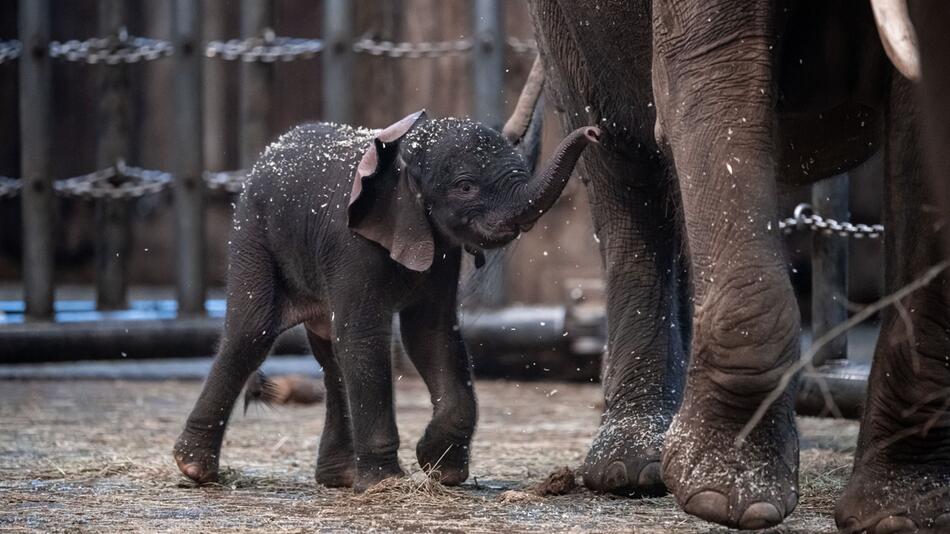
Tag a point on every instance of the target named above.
point(901, 477)
point(196, 454)
point(624, 458)
point(886, 497)
point(751, 486)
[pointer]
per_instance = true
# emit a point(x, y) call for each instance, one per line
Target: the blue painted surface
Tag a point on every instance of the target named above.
point(174, 368)
point(65, 311)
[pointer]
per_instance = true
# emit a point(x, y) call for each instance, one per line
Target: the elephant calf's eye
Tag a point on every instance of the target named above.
point(465, 187)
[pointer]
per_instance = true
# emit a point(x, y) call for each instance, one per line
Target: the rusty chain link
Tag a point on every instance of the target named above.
point(432, 49)
point(9, 187)
point(804, 217)
point(411, 50)
point(266, 49)
point(10, 50)
point(118, 182)
point(522, 46)
point(112, 50)
point(228, 181)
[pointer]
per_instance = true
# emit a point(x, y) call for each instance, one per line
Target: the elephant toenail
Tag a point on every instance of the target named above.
point(616, 476)
point(894, 524)
point(193, 471)
point(760, 515)
point(650, 475)
point(791, 502)
point(709, 505)
point(849, 525)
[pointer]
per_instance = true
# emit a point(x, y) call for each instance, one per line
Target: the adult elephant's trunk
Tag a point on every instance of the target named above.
point(544, 189)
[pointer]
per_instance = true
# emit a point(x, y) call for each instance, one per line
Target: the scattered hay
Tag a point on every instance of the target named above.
point(419, 487)
point(560, 482)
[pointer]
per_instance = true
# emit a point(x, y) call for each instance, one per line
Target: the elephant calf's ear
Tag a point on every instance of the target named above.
point(383, 208)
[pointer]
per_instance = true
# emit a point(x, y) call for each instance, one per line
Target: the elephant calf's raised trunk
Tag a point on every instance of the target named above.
point(544, 189)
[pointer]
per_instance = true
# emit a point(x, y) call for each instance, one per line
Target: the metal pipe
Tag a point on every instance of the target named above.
point(846, 383)
point(518, 342)
point(35, 135)
point(257, 83)
point(189, 159)
point(829, 276)
point(112, 215)
point(488, 71)
point(337, 61)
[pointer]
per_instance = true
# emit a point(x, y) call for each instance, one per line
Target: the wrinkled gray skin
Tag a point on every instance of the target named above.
point(308, 247)
point(706, 107)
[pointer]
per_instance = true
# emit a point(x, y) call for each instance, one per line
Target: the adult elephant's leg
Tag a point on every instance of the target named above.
point(598, 71)
point(633, 211)
point(715, 91)
point(901, 477)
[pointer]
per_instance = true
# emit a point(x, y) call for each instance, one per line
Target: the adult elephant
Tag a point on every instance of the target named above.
point(706, 106)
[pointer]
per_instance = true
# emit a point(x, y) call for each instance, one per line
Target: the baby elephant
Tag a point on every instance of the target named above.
point(339, 228)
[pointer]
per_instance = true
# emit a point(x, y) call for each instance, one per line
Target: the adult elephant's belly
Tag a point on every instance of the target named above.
point(832, 77)
point(815, 145)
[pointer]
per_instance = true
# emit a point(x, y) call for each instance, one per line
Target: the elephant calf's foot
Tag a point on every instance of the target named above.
point(197, 457)
point(445, 460)
point(624, 458)
point(336, 471)
point(368, 474)
point(748, 487)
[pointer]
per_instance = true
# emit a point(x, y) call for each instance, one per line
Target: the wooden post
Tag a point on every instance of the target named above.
point(337, 61)
point(488, 71)
point(257, 84)
point(35, 134)
point(189, 158)
point(829, 277)
point(112, 215)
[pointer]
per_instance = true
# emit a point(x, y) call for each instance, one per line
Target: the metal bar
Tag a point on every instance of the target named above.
point(488, 71)
point(189, 160)
point(113, 215)
point(846, 384)
point(257, 83)
point(337, 61)
point(830, 268)
point(489, 62)
point(35, 133)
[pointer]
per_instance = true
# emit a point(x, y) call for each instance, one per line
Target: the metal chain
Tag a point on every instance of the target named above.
point(9, 187)
point(112, 50)
point(804, 217)
point(266, 49)
point(229, 181)
point(522, 46)
point(10, 50)
point(411, 50)
point(120, 181)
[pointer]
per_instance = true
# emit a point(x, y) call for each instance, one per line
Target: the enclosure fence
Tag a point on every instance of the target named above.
point(116, 184)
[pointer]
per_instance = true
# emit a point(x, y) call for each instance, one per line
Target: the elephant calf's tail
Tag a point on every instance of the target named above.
point(288, 389)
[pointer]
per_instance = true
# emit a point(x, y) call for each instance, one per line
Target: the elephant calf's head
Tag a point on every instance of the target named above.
point(456, 178)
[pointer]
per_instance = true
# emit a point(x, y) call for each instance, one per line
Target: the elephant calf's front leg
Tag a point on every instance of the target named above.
point(363, 351)
point(435, 347)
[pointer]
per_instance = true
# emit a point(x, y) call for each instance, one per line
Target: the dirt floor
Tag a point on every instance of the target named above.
point(95, 455)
